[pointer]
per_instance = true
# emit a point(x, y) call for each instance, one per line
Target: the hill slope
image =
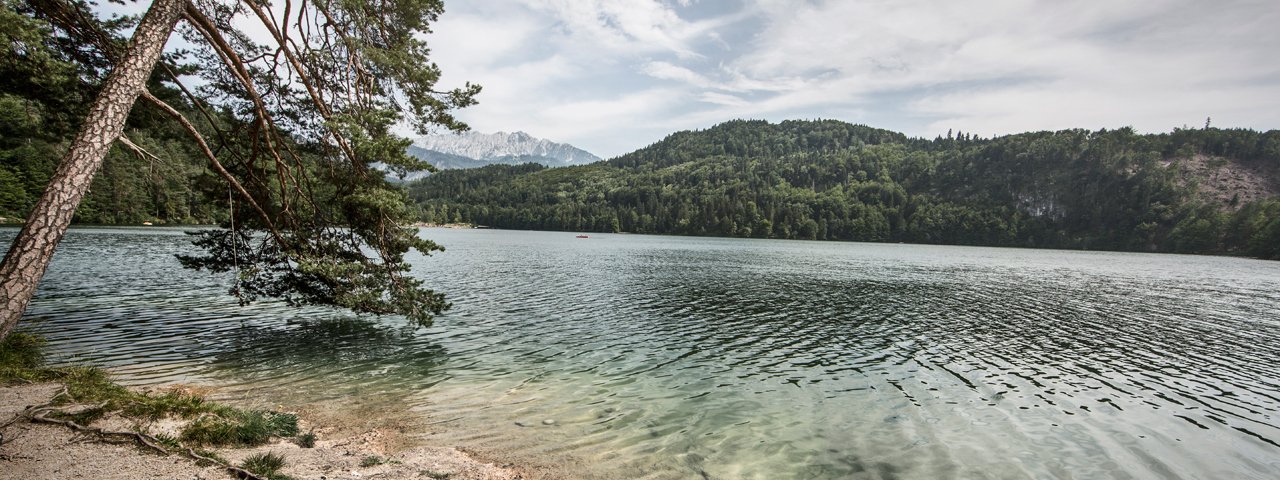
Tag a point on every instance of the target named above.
point(1210, 191)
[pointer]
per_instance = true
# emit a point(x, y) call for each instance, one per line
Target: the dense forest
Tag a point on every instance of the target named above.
point(45, 90)
point(1193, 190)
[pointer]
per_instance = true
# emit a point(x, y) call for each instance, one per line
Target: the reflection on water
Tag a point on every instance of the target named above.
point(658, 357)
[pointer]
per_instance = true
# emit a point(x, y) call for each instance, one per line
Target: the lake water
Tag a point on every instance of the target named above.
point(671, 357)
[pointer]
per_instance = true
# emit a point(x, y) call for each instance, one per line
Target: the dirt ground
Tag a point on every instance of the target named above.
point(40, 451)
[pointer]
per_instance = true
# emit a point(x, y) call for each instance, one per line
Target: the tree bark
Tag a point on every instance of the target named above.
point(32, 250)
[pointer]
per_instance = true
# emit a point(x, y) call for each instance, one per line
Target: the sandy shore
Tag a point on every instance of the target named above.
point(41, 451)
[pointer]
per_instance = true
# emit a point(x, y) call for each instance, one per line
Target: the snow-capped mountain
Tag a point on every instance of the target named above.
point(503, 147)
point(472, 150)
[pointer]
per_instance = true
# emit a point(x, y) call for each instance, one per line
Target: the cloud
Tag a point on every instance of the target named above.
point(668, 71)
point(620, 26)
point(475, 39)
point(724, 100)
point(1010, 66)
point(569, 70)
point(594, 115)
point(1060, 105)
point(613, 75)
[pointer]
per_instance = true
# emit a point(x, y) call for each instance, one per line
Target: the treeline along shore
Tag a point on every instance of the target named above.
point(1203, 190)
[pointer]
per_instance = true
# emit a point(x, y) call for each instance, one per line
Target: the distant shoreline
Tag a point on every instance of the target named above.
point(448, 225)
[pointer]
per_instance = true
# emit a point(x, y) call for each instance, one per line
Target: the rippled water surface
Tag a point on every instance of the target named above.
point(667, 357)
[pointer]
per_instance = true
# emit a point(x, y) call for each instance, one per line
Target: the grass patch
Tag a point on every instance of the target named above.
point(435, 475)
point(306, 440)
point(83, 417)
point(175, 403)
point(21, 361)
point(93, 385)
point(265, 465)
point(241, 428)
point(374, 460)
point(168, 441)
point(21, 351)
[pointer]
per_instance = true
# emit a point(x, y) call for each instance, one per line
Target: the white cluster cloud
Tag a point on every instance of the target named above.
point(614, 75)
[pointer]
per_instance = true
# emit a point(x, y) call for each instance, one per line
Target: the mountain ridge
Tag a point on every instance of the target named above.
point(504, 147)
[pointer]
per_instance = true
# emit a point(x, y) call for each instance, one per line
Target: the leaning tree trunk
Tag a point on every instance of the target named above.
point(29, 256)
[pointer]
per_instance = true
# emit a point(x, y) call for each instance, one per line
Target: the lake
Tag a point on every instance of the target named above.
point(631, 356)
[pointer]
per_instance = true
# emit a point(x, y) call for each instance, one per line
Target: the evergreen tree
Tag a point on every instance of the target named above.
point(310, 109)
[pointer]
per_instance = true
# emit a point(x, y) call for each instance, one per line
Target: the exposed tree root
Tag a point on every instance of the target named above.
point(26, 414)
point(142, 438)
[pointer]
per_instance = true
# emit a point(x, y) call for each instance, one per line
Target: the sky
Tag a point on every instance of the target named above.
point(612, 76)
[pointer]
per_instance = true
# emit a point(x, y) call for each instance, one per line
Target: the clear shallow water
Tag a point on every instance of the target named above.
point(669, 357)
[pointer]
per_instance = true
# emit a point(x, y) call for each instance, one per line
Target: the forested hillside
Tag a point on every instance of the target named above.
point(46, 83)
point(1193, 190)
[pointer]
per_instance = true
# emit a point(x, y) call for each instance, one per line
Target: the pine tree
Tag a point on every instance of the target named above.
point(319, 97)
